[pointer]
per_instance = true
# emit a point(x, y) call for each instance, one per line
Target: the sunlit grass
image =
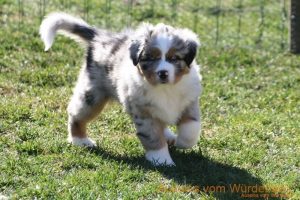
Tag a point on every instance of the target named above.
point(250, 111)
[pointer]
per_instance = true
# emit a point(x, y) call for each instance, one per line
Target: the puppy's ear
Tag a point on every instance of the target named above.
point(135, 50)
point(140, 38)
point(191, 52)
point(191, 43)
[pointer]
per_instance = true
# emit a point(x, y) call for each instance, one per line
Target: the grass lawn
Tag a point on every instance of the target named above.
point(250, 110)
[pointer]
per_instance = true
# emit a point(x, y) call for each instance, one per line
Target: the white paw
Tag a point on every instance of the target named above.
point(188, 135)
point(170, 136)
point(160, 157)
point(82, 141)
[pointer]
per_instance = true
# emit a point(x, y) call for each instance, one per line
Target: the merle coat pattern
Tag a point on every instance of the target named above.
point(151, 71)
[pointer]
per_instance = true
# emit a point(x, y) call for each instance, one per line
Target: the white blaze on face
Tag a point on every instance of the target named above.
point(164, 42)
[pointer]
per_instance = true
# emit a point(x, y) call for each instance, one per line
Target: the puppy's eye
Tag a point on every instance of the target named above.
point(150, 58)
point(174, 58)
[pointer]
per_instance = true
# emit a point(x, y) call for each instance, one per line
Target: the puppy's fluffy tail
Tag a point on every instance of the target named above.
point(75, 28)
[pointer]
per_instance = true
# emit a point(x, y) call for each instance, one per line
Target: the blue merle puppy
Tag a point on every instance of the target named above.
point(151, 71)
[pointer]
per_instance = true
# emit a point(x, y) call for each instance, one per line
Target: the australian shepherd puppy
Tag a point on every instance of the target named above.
point(151, 71)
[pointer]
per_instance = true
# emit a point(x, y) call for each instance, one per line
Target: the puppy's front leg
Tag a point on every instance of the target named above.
point(151, 134)
point(189, 127)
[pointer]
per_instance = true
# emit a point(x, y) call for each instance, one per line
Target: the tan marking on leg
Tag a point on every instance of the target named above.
point(77, 127)
point(186, 119)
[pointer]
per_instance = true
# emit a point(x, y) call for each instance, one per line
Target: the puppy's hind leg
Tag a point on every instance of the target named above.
point(86, 104)
point(80, 113)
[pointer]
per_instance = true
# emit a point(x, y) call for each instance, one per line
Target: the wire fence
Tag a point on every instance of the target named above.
point(261, 24)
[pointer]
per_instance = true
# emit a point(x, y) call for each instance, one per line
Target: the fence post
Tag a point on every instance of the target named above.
point(218, 13)
point(295, 27)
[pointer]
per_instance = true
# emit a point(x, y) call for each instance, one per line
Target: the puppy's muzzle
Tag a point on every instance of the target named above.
point(163, 76)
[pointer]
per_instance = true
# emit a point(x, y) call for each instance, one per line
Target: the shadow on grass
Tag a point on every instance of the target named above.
point(196, 173)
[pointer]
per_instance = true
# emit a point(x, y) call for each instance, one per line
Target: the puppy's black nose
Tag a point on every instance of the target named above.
point(163, 75)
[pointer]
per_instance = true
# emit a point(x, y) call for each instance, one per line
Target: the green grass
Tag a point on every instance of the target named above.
point(250, 111)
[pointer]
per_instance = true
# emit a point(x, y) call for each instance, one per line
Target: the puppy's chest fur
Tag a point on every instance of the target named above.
point(167, 102)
